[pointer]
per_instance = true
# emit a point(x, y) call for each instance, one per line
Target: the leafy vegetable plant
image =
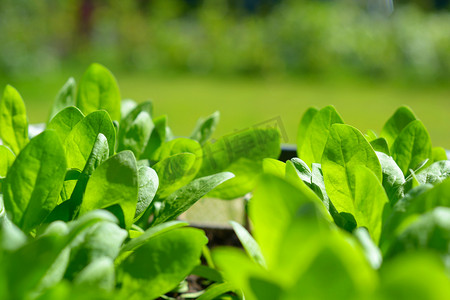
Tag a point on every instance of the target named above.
point(88, 205)
point(356, 216)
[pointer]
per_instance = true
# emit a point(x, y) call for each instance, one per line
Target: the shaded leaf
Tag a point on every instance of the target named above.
point(113, 182)
point(31, 188)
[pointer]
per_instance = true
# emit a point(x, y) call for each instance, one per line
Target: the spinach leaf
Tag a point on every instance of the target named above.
point(305, 121)
point(100, 240)
point(27, 266)
point(98, 90)
point(393, 179)
point(13, 120)
point(302, 169)
point(380, 145)
point(249, 243)
point(31, 188)
point(135, 129)
point(242, 154)
point(149, 234)
point(64, 98)
point(64, 121)
point(7, 159)
point(419, 200)
point(160, 134)
point(205, 128)
point(185, 197)
point(316, 136)
point(115, 181)
point(429, 231)
point(412, 146)
point(81, 139)
point(98, 275)
point(174, 172)
point(158, 266)
point(148, 185)
point(369, 200)
point(435, 173)
point(396, 123)
point(126, 106)
point(346, 148)
point(413, 276)
point(274, 167)
point(438, 154)
point(272, 218)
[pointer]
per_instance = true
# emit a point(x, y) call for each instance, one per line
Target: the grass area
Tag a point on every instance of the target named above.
point(249, 102)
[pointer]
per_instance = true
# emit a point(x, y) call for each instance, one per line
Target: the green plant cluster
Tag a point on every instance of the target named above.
point(295, 37)
point(88, 205)
point(357, 217)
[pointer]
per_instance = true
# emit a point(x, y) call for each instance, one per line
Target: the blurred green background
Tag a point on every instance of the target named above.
point(253, 60)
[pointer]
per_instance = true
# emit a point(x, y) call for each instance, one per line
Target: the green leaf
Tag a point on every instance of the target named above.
point(414, 276)
point(98, 90)
point(64, 98)
point(370, 135)
point(205, 128)
point(13, 120)
point(420, 200)
point(302, 169)
point(64, 121)
point(380, 145)
point(274, 204)
point(101, 239)
point(393, 179)
point(238, 268)
point(371, 251)
point(182, 199)
point(29, 264)
point(316, 136)
point(396, 123)
point(31, 188)
point(249, 243)
point(274, 167)
point(158, 137)
point(174, 172)
point(215, 290)
point(151, 233)
point(438, 154)
point(368, 200)
point(135, 129)
point(148, 185)
point(6, 160)
point(126, 106)
point(113, 182)
point(242, 154)
point(178, 146)
point(11, 237)
point(347, 148)
point(99, 274)
point(81, 139)
point(429, 231)
point(305, 121)
point(158, 266)
point(412, 146)
point(435, 173)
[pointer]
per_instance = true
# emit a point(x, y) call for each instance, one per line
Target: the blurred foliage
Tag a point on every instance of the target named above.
point(221, 37)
